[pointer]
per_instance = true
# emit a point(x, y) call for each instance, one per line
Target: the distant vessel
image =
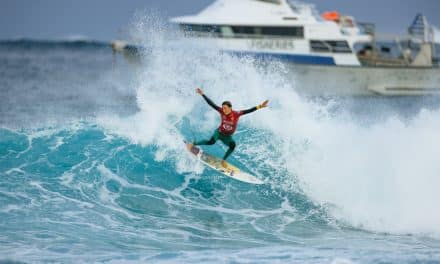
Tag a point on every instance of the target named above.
point(345, 56)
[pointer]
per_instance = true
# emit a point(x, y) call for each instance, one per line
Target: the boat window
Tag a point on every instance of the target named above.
point(283, 31)
point(252, 31)
point(335, 46)
point(319, 46)
point(195, 28)
point(243, 31)
point(227, 32)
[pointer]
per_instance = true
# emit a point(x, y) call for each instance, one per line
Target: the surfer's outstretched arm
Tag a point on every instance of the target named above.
point(255, 108)
point(248, 111)
point(209, 101)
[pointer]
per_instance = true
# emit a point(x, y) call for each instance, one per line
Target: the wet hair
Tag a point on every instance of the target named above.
point(227, 103)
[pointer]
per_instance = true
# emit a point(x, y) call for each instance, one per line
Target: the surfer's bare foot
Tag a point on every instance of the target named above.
point(224, 164)
point(189, 146)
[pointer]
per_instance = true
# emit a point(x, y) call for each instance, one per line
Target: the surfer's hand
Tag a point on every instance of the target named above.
point(264, 104)
point(199, 91)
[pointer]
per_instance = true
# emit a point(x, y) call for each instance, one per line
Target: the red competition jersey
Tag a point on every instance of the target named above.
point(229, 122)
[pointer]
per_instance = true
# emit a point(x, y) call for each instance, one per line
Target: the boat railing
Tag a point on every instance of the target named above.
point(367, 28)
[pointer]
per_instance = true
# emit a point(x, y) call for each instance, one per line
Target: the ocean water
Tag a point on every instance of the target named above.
point(92, 168)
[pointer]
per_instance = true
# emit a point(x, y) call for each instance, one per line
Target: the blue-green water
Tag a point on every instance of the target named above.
point(92, 168)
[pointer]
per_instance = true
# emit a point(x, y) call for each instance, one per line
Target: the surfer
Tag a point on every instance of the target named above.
point(228, 125)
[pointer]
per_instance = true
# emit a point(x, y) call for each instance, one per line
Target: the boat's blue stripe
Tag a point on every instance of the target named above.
point(300, 59)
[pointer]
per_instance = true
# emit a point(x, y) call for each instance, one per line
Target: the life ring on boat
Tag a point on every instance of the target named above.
point(331, 16)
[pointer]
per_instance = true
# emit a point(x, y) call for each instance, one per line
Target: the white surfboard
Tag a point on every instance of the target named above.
point(216, 164)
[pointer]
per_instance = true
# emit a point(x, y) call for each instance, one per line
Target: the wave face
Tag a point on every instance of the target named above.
point(92, 167)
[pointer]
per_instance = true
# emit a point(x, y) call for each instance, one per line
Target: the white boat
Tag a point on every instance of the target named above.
point(334, 49)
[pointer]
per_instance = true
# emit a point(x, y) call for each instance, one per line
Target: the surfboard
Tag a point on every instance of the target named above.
point(216, 164)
